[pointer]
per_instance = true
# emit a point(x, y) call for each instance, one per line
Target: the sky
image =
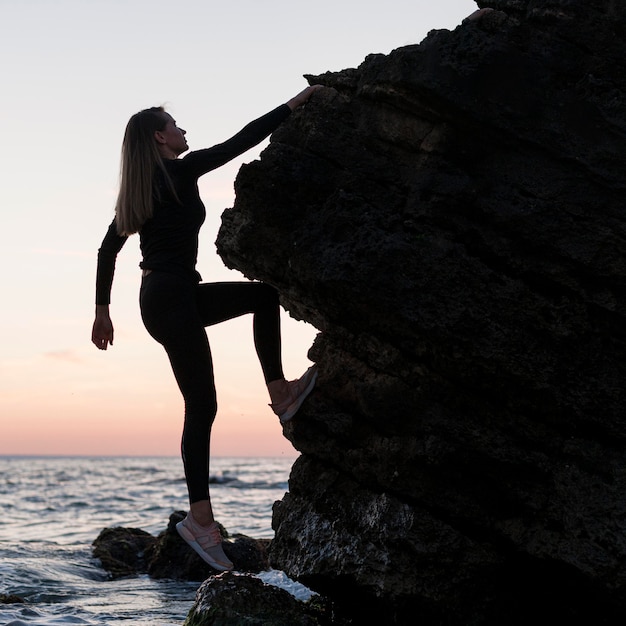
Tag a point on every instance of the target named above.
point(73, 72)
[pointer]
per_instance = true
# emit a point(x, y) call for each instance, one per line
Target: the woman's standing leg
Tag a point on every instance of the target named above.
point(170, 314)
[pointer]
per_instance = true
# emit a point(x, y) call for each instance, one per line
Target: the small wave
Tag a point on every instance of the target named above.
point(222, 480)
point(27, 616)
point(280, 579)
point(43, 620)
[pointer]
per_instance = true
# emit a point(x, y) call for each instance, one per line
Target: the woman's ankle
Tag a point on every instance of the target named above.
point(278, 390)
point(202, 512)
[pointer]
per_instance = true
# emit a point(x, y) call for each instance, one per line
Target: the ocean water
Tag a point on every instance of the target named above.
point(52, 508)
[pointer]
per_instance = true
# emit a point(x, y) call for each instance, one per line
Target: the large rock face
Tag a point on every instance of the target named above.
point(452, 218)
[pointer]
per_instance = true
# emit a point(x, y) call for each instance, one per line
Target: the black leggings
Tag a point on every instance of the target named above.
point(175, 312)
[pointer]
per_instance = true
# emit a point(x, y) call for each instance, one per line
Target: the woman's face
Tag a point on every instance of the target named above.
point(171, 139)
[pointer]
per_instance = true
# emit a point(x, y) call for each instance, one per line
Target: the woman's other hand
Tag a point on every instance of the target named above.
point(102, 331)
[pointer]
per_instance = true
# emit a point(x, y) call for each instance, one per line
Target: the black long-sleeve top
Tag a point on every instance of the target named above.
point(169, 239)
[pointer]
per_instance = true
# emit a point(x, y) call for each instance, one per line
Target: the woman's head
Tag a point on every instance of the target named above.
point(171, 139)
point(155, 128)
point(151, 136)
point(141, 128)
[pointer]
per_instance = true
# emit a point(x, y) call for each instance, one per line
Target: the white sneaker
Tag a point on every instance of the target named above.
point(206, 541)
point(298, 391)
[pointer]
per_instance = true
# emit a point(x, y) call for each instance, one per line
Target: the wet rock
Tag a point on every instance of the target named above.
point(128, 551)
point(451, 218)
point(233, 599)
point(122, 551)
point(11, 598)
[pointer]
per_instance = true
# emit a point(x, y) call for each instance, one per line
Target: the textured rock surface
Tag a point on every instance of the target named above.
point(122, 551)
point(11, 598)
point(131, 551)
point(451, 218)
point(233, 599)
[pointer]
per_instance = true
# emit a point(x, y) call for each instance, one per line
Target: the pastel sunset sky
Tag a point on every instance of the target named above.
point(73, 71)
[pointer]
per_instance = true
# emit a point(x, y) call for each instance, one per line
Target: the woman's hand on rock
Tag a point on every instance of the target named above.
point(303, 97)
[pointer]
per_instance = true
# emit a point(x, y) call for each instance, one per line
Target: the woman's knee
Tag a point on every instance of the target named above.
point(200, 418)
point(268, 295)
point(200, 408)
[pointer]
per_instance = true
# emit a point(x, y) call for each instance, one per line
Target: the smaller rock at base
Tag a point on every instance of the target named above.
point(232, 598)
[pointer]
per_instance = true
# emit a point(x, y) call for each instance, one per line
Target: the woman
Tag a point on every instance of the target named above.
point(159, 199)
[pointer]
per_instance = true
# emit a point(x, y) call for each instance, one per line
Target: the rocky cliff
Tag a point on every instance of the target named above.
point(451, 217)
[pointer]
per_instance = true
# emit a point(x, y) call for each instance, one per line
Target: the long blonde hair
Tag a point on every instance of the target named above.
point(139, 163)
